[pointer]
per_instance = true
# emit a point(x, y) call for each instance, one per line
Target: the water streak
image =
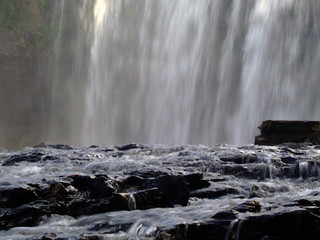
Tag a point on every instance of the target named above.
point(184, 71)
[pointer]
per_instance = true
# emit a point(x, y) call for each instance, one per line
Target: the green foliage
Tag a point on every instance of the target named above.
point(22, 42)
point(9, 12)
point(27, 23)
point(43, 4)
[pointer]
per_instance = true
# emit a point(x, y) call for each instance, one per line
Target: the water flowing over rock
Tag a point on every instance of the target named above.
point(182, 71)
point(139, 191)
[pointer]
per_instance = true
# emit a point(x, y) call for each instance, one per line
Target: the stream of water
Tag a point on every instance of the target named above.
point(274, 177)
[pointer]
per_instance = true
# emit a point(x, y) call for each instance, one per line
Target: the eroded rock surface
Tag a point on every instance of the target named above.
point(140, 191)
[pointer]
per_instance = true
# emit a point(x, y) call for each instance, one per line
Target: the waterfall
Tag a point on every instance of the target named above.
point(184, 71)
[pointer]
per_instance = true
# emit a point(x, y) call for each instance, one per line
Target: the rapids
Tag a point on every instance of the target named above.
point(277, 179)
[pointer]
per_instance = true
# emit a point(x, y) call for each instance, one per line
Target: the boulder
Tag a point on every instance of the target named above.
point(279, 132)
point(295, 224)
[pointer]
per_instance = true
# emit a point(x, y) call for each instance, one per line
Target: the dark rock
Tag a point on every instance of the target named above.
point(215, 229)
point(196, 182)
point(226, 215)
point(206, 230)
point(148, 173)
point(288, 160)
point(91, 238)
point(278, 132)
point(59, 191)
point(120, 201)
point(212, 194)
point(25, 215)
point(48, 236)
point(132, 182)
point(239, 159)
point(295, 224)
point(286, 148)
point(83, 206)
point(218, 179)
point(305, 202)
point(173, 189)
point(314, 138)
point(56, 146)
point(253, 206)
point(176, 233)
point(11, 198)
point(184, 153)
point(31, 157)
point(240, 171)
point(150, 198)
point(129, 146)
point(163, 191)
point(97, 186)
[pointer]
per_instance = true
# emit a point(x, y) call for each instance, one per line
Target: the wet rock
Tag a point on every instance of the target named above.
point(212, 194)
point(253, 206)
point(177, 233)
point(96, 187)
point(85, 206)
point(288, 159)
point(184, 153)
point(49, 236)
point(132, 182)
point(173, 189)
point(55, 146)
point(239, 171)
point(305, 202)
point(120, 201)
point(59, 192)
point(196, 181)
point(129, 146)
point(147, 173)
point(28, 157)
point(14, 197)
point(295, 224)
point(278, 132)
point(226, 215)
point(110, 228)
point(206, 230)
point(163, 191)
point(91, 238)
point(203, 231)
point(25, 215)
point(150, 198)
point(219, 177)
point(237, 157)
point(314, 138)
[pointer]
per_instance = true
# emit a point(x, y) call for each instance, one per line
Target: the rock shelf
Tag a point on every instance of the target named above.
point(279, 132)
point(136, 191)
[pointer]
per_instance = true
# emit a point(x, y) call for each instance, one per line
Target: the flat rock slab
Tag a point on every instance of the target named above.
point(279, 132)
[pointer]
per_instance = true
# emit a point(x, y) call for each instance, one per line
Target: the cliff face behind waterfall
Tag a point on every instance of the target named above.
point(24, 47)
point(160, 71)
point(27, 33)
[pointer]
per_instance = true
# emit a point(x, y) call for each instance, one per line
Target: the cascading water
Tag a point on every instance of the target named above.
point(185, 71)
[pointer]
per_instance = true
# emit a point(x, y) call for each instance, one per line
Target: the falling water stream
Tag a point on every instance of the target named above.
point(185, 71)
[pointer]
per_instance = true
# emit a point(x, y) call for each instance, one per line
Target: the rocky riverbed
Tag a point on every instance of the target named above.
point(134, 191)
